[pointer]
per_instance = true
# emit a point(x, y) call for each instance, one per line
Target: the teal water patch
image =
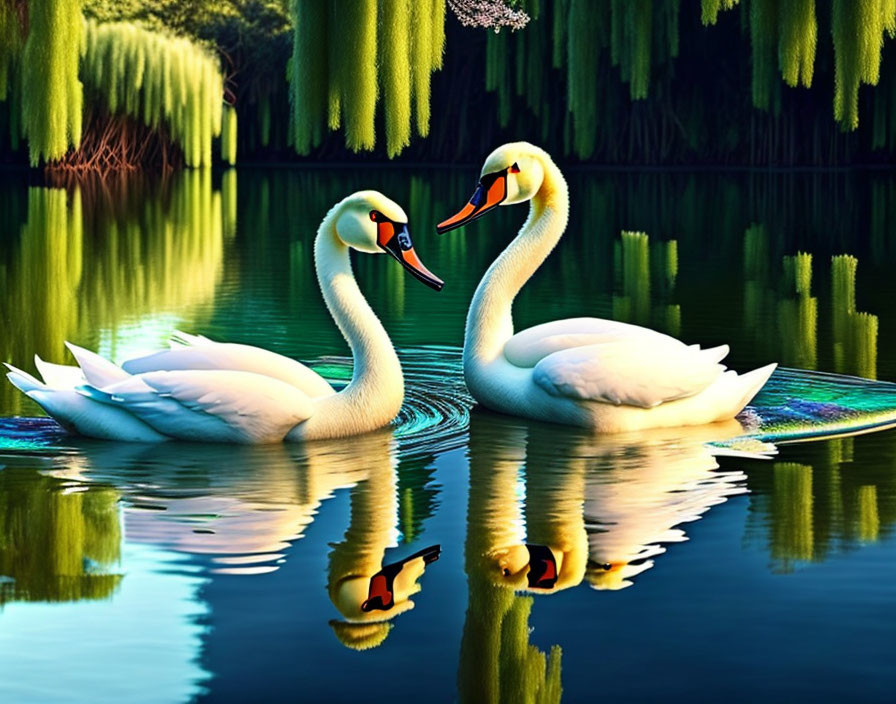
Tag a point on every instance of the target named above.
point(22, 435)
point(797, 404)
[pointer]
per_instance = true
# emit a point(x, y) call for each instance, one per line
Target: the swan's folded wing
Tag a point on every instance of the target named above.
point(234, 357)
point(224, 406)
point(628, 373)
point(528, 347)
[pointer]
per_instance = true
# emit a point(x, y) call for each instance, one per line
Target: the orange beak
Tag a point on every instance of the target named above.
point(395, 240)
point(490, 193)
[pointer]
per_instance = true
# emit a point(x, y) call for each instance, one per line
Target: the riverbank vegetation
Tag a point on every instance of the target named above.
point(114, 85)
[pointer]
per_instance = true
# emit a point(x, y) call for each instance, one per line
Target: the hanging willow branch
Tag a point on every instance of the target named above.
point(347, 54)
point(51, 105)
point(167, 83)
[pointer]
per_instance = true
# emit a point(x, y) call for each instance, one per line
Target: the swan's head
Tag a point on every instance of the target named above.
point(511, 174)
point(369, 222)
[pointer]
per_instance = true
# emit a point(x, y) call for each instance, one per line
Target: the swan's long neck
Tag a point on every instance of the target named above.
point(490, 320)
point(374, 395)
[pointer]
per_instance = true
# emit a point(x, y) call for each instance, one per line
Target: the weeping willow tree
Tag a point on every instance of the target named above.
point(710, 9)
point(11, 42)
point(39, 74)
point(90, 85)
point(594, 45)
point(55, 544)
point(858, 30)
point(785, 32)
point(347, 54)
point(168, 84)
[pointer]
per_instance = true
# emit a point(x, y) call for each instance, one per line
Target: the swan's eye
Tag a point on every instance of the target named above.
point(515, 168)
point(374, 215)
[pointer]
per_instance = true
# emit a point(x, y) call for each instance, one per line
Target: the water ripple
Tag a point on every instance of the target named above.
point(436, 412)
point(433, 419)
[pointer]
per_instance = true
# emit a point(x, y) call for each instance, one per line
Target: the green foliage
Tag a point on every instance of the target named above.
point(797, 39)
point(710, 9)
point(582, 63)
point(349, 53)
point(857, 28)
point(11, 40)
point(357, 70)
point(425, 56)
point(393, 42)
point(764, 41)
point(52, 104)
point(307, 72)
point(631, 40)
point(163, 81)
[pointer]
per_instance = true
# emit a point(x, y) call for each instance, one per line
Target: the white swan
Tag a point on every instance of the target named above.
point(599, 374)
point(208, 391)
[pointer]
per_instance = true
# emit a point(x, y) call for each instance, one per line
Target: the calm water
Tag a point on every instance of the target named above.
point(186, 572)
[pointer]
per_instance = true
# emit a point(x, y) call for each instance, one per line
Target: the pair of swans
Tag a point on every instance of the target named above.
point(598, 374)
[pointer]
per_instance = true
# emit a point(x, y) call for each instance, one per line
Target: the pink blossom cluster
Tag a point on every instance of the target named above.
point(488, 13)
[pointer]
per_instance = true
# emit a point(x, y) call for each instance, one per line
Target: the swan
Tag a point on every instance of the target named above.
point(202, 390)
point(599, 374)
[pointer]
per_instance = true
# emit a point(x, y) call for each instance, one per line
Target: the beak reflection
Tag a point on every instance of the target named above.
point(380, 595)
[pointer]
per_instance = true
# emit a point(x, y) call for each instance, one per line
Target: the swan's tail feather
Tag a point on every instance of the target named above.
point(46, 399)
point(58, 376)
point(752, 382)
point(715, 354)
point(99, 372)
point(23, 381)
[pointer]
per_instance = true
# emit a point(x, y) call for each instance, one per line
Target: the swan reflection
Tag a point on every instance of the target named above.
point(243, 507)
point(552, 507)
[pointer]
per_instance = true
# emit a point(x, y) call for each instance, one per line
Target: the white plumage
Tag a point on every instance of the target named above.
point(202, 390)
point(601, 374)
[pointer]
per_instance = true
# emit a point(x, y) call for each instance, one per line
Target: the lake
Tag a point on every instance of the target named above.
point(682, 572)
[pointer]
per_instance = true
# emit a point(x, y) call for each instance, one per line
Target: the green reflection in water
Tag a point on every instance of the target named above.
point(834, 499)
point(144, 264)
point(648, 275)
point(58, 541)
point(855, 333)
point(497, 661)
point(798, 314)
point(784, 298)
